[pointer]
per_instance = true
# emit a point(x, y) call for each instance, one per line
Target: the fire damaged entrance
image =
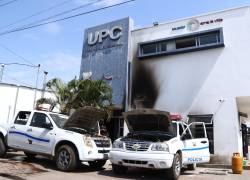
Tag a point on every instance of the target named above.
point(115, 124)
point(243, 104)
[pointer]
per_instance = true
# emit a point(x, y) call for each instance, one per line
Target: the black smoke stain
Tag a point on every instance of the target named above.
point(144, 87)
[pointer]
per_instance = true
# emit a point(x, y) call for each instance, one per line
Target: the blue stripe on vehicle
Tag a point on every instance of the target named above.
point(29, 136)
point(194, 149)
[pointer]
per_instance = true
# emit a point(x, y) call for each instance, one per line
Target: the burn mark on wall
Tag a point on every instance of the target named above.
point(144, 87)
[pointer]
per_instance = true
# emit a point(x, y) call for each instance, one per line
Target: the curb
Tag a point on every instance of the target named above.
point(222, 166)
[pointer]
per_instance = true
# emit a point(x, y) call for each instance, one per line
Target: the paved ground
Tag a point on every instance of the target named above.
point(17, 167)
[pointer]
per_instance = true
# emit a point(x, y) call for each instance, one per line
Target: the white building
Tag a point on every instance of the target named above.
point(14, 98)
point(197, 67)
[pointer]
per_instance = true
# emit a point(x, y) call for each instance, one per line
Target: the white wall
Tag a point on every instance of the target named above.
point(193, 83)
point(25, 99)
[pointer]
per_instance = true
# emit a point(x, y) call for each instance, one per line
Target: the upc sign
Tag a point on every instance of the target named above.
point(114, 34)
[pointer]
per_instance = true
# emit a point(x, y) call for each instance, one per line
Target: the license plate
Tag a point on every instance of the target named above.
point(105, 156)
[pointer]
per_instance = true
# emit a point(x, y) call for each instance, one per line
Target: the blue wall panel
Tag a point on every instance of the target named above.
point(108, 59)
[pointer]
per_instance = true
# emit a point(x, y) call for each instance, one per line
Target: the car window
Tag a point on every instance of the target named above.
point(174, 127)
point(198, 130)
point(39, 119)
point(59, 119)
point(22, 117)
point(187, 134)
point(181, 129)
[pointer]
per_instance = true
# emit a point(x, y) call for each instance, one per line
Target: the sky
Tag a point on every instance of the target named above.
point(58, 46)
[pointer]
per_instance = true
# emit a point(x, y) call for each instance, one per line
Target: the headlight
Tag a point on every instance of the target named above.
point(118, 145)
point(88, 142)
point(160, 147)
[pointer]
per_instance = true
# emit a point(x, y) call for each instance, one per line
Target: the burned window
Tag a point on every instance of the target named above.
point(22, 117)
point(149, 48)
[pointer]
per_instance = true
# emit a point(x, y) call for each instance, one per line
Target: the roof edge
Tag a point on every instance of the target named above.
point(195, 16)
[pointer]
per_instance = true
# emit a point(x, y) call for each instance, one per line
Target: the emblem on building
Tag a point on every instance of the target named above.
point(193, 25)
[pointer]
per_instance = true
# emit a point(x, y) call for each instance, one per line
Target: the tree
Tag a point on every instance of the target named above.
point(92, 93)
point(80, 93)
point(49, 101)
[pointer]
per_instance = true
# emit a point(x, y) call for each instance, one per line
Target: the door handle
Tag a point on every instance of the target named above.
point(12, 127)
point(203, 142)
point(29, 130)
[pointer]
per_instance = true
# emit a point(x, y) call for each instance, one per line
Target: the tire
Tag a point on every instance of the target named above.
point(66, 158)
point(3, 148)
point(191, 167)
point(97, 164)
point(30, 155)
point(119, 169)
point(174, 172)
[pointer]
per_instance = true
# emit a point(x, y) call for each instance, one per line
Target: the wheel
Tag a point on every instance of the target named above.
point(119, 169)
point(191, 167)
point(3, 148)
point(66, 158)
point(30, 155)
point(97, 164)
point(174, 172)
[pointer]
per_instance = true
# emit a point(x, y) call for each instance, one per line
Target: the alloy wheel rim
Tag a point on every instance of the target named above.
point(177, 166)
point(64, 158)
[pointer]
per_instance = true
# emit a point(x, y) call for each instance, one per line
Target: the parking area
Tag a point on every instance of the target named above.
point(17, 167)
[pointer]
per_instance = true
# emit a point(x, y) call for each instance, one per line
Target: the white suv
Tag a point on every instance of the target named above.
point(67, 140)
point(156, 142)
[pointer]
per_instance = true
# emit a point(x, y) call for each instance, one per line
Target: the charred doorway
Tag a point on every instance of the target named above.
point(115, 125)
point(243, 105)
point(245, 141)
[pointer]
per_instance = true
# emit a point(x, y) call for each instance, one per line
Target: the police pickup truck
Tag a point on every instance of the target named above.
point(155, 141)
point(67, 140)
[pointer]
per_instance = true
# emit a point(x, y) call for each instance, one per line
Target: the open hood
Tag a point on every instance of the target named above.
point(148, 120)
point(85, 118)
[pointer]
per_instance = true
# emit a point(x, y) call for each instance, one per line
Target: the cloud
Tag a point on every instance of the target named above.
point(53, 28)
point(62, 65)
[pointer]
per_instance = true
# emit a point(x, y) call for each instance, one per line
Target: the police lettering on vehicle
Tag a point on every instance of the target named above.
point(193, 159)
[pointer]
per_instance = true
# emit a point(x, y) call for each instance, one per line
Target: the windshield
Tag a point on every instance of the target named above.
point(59, 119)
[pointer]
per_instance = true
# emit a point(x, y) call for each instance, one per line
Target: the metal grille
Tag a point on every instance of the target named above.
point(137, 146)
point(103, 151)
point(102, 143)
point(134, 162)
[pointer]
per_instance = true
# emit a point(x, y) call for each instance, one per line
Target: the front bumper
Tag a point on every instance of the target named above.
point(95, 154)
point(142, 160)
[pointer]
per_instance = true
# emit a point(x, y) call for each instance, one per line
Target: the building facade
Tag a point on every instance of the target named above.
point(197, 67)
point(15, 98)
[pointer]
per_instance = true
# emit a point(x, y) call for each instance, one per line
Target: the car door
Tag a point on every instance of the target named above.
point(195, 144)
point(17, 137)
point(41, 134)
